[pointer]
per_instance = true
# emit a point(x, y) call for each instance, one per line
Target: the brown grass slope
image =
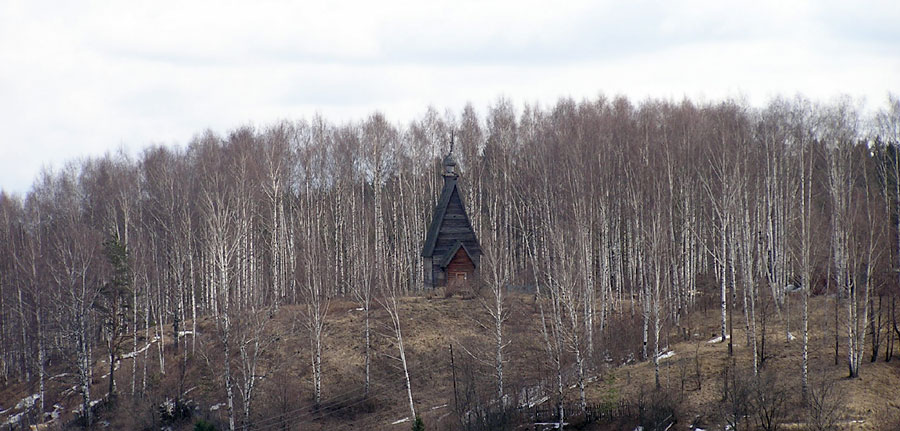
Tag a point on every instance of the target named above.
point(870, 402)
point(431, 324)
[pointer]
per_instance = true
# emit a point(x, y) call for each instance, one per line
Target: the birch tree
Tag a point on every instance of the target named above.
point(76, 272)
point(363, 277)
point(806, 207)
point(839, 134)
point(223, 237)
point(255, 338)
point(495, 270)
point(390, 302)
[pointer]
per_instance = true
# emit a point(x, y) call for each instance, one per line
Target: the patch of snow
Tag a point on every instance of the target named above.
point(183, 333)
point(215, 407)
point(81, 407)
point(790, 337)
point(359, 309)
point(666, 355)
point(168, 404)
point(54, 415)
point(130, 355)
point(28, 402)
point(538, 402)
point(115, 367)
point(400, 421)
point(718, 339)
point(14, 419)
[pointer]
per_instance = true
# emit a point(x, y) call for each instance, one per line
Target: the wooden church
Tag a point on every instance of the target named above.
point(451, 250)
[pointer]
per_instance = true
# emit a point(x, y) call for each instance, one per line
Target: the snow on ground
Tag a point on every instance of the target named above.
point(118, 363)
point(400, 421)
point(539, 401)
point(70, 391)
point(92, 404)
point(55, 413)
point(14, 419)
point(27, 402)
point(142, 350)
point(666, 355)
point(215, 407)
point(183, 333)
point(24, 404)
point(718, 339)
point(790, 337)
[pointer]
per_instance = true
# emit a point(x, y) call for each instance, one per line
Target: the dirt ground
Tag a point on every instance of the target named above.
point(434, 322)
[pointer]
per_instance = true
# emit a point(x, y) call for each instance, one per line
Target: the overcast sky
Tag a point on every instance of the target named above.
point(83, 78)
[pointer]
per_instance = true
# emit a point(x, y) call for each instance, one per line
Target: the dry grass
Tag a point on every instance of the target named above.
point(870, 402)
point(431, 323)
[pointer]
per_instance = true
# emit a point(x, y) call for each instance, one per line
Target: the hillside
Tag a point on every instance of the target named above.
point(869, 402)
point(283, 399)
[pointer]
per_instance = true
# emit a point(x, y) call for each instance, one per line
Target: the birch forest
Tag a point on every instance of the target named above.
point(604, 214)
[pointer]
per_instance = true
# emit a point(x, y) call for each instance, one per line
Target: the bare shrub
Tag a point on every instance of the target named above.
point(737, 391)
point(464, 289)
point(753, 402)
point(825, 402)
point(657, 410)
point(769, 402)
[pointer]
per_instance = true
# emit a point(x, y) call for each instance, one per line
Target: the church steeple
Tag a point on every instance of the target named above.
point(449, 163)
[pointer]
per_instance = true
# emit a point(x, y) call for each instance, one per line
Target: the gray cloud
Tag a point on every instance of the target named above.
point(81, 80)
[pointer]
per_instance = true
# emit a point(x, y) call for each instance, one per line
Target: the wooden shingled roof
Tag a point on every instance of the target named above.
point(450, 227)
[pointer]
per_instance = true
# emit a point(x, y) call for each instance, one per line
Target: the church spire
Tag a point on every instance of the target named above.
point(449, 163)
